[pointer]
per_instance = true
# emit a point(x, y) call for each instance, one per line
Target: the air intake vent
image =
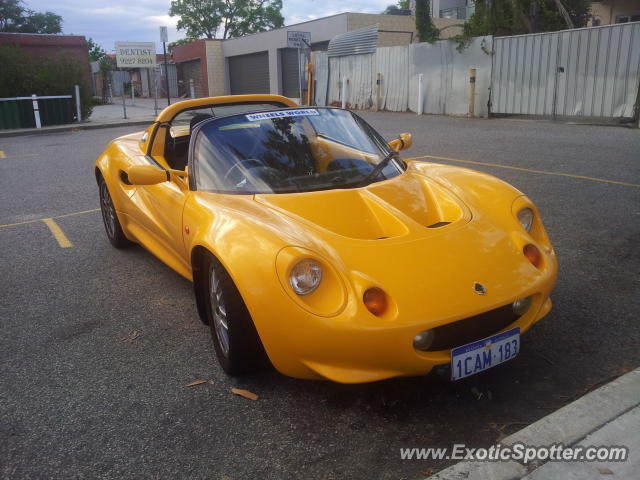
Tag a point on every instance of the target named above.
point(438, 225)
point(474, 328)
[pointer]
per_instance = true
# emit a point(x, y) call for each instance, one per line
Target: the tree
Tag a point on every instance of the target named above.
point(182, 41)
point(10, 15)
point(96, 52)
point(400, 8)
point(41, 22)
point(15, 17)
point(427, 31)
point(205, 18)
point(107, 66)
point(515, 17)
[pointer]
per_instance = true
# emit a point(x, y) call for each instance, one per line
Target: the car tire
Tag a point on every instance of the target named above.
point(110, 218)
point(235, 339)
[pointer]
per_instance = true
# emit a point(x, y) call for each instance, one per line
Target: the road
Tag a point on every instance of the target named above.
point(98, 344)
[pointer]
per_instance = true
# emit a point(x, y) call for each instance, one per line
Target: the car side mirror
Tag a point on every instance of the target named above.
point(403, 142)
point(146, 175)
point(150, 175)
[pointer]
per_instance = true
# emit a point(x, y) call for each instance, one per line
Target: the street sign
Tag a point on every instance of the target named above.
point(135, 54)
point(163, 34)
point(298, 39)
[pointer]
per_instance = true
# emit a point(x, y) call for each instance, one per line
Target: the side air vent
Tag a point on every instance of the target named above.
point(438, 225)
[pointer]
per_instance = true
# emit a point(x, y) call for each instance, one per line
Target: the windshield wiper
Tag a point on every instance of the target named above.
point(378, 168)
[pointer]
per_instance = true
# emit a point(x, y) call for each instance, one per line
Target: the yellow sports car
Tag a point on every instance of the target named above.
point(313, 246)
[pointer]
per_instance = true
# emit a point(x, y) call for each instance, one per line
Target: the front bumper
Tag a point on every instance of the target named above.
point(345, 349)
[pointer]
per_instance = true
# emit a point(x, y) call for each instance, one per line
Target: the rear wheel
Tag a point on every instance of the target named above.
point(235, 339)
point(111, 223)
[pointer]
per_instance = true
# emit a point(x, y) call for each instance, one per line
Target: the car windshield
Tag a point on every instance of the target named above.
point(290, 150)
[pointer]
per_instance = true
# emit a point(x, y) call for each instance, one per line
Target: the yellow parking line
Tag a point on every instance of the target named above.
point(62, 239)
point(544, 172)
point(42, 219)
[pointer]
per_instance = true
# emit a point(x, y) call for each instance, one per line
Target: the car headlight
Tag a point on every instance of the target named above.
point(525, 217)
point(305, 276)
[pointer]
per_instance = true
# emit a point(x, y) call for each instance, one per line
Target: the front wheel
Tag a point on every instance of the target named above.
point(235, 339)
point(111, 223)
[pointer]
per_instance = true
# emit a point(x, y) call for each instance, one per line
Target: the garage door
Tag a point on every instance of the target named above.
point(290, 72)
point(249, 73)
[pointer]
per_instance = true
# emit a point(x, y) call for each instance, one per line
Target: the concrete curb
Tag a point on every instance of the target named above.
point(72, 126)
point(568, 426)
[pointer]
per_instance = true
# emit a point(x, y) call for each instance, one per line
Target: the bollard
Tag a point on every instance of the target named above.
point(192, 90)
point(345, 82)
point(36, 110)
point(133, 95)
point(420, 93)
point(78, 103)
point(378, 80)
point(472, 92)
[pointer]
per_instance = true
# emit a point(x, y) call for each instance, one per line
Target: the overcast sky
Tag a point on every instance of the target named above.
point(138, 20)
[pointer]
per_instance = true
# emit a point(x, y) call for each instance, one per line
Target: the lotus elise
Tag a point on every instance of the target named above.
point(312, 245)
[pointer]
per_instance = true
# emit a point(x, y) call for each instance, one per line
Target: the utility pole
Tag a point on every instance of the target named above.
point(163, 39)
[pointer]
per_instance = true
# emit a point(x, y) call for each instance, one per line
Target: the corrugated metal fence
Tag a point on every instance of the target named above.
point(361, 72)
point(445, 71)
point(588, 72)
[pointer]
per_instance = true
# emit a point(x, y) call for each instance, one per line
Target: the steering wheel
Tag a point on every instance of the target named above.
point(242, 163)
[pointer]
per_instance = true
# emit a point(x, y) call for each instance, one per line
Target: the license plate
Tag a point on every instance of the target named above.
point(483, 354)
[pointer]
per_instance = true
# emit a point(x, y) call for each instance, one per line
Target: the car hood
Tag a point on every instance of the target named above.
point(384, 210)
point(417, 239)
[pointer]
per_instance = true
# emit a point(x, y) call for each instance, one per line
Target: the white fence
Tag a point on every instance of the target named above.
point(588, 72)
point(388, 79)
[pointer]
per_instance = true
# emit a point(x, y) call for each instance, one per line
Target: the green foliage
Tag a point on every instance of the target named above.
point(96, 52)
point(400, 8)
point(11, 14)
point(15, 17)
point(182, 41)
point(22, 75)
point(515, 17)
point(427, 31)
point(205, 18)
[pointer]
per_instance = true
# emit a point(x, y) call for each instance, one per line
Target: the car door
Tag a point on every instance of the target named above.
point(159, 215)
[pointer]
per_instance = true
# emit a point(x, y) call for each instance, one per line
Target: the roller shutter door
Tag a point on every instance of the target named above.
point(289, 69)
point(249, 73)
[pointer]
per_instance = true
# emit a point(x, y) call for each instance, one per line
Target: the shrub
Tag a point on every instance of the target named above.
point(22, 75)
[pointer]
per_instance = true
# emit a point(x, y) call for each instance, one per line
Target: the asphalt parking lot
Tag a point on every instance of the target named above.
point(98, 344)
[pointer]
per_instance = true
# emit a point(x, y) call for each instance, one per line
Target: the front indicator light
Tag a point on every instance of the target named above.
point(533, 254)
point(305, 276)
point(423, 340)
point(525, 217)
point(521, 306)
point(375, 300)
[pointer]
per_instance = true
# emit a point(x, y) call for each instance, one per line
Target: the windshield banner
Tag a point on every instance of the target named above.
point(287, 113)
